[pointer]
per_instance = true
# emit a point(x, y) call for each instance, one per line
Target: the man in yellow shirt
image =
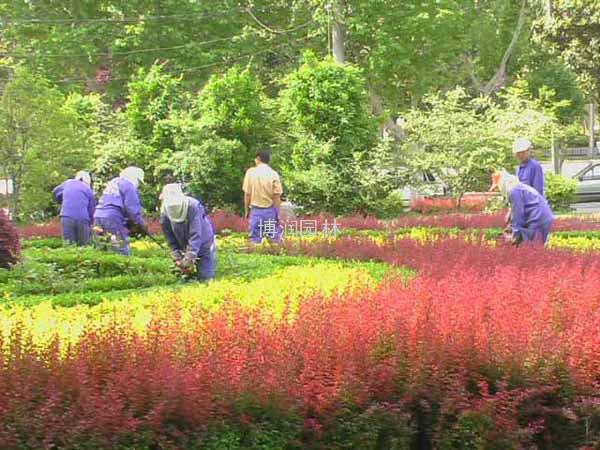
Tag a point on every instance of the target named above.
point(262, 199)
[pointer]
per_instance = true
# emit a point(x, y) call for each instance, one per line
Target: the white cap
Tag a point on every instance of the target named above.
point(84, 176)
point(172, 193)
point(174, 203)
point(521, 145)
point(133, 174)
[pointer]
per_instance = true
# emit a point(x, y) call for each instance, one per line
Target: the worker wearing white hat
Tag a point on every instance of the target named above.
point(77, 208)
point(530, 171)
point(530, 215)
point(189, 233)
point(120, 210)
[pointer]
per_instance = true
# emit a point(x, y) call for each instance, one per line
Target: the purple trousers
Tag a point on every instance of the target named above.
point(264, 222)
point(76, 232)
point(537, 233)
point(206, 264)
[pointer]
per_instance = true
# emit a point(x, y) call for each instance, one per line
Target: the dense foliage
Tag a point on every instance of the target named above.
point(189, 92)
point(560, 191)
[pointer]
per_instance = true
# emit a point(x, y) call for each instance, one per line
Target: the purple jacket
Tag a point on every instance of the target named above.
point(531, 174)
point(76, 199)
point(529, 209)
point(196, 231)
point(121, 201)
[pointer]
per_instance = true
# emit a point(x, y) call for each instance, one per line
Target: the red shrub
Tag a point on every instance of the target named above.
point(223, 220)
point(10, 247)
point(46, 230)
point(430, 345)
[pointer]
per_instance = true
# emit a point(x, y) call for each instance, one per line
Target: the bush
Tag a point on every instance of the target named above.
point(560, 191)
point(9, 242)
point(324, 105)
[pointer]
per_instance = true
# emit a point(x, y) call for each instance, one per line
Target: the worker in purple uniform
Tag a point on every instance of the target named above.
point(530, 171)
point(189, 233)
point(120, 209)
point(531, 216)
point(262, 199)
point(77, 208)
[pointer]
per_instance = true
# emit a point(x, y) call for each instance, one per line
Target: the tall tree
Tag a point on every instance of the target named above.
point(40, 142)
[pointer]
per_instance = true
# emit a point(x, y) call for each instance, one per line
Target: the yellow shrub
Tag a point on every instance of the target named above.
point(272, 295)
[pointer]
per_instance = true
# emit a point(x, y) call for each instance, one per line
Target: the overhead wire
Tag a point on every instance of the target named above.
point(126, 20)
point(18, 55)
point(183, 72)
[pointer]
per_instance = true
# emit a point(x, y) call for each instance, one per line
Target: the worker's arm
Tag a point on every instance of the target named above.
point(247, 193)
point(277, 191)
point(537, 181)
point(517, 212)
point(57, 193)
point(165, 225)
point(91, 205)
point(195, 218)
point(247, 200)
point(133, 205)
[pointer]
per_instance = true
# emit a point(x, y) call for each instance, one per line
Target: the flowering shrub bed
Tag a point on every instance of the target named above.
point(274, 295)
point(484, 346)
point(497, 366)
point(471, 202)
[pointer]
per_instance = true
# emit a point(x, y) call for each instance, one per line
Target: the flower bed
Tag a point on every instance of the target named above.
point(424, 361)
point(484, 346)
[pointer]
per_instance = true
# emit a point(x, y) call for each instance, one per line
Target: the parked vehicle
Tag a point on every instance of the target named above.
point(426, 184)
point(588, 183)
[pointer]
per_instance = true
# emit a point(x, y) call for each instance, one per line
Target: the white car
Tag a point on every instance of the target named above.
point(426, 185)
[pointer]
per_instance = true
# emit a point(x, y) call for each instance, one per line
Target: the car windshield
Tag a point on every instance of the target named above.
point(592, 172)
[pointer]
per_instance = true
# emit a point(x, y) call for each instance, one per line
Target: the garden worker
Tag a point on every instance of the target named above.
point(119, 210)
point(530, 171)
point(531, 216)
point(77, 208)
point(189, 233)
point(262, 199)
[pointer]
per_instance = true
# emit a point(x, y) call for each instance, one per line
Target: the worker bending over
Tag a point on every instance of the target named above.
point(77, 208)
point(120, 210)
point(531, 216)
point(262, 199)
point(189, 233)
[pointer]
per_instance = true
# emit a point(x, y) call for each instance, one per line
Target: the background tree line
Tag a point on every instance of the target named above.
point(190, 90)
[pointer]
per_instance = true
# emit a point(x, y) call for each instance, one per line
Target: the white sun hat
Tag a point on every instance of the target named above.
point(522, 144)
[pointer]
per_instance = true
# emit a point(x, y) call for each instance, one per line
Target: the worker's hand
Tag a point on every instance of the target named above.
point(188, 260)
point(145, 229)
point(516, 239)
point(507, 217)
point(177, 255)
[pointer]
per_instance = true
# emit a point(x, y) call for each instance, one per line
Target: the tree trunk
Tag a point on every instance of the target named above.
point(591, 124)
point(549, 10)
point(499, 79)
point(338, 34)
point(556, 158)
point(389, 126)
point(15, 197)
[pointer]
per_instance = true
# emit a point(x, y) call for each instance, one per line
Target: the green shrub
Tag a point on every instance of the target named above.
point(560, 191)
point(331, 131)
